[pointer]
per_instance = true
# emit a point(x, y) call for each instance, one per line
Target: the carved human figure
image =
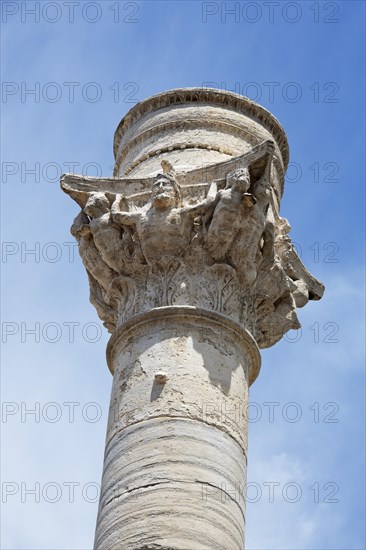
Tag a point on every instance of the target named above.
point(254, 234)
point(94, 264)
point(231, 205)
point(164, 227)
point(107, 237)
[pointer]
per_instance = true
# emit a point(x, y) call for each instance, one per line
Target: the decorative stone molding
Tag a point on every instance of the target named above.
point(210, 238)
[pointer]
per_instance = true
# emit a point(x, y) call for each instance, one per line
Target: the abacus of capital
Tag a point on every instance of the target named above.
point(192, 270)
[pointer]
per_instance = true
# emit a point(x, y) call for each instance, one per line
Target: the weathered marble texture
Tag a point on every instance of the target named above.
point(175, 462)
point(191, 268)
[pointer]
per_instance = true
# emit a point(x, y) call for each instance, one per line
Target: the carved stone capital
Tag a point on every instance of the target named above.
point(210, 237)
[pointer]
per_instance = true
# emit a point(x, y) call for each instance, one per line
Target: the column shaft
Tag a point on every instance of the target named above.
point(175, 461)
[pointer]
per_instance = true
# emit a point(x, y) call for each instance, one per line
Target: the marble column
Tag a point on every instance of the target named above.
point(192, 270)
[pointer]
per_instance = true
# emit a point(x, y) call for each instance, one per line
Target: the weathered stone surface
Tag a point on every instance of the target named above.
point(194, 128)
point(191, 268)
point(175, 461)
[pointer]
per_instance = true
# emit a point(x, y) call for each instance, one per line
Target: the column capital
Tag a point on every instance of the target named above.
point(210, 237)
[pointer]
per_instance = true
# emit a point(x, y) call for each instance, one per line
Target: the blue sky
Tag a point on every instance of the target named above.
point(304, 62)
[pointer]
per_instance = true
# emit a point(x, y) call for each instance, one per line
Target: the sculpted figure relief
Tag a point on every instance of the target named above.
point(164, 227)
point(107, 237)
point(255, 235)
point(94, 263)
point(232, 206)
point(163, 245)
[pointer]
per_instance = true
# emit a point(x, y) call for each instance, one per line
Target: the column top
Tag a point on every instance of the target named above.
point(197, 97)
